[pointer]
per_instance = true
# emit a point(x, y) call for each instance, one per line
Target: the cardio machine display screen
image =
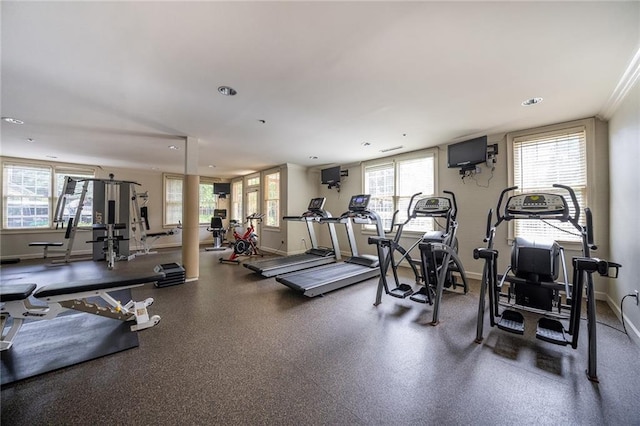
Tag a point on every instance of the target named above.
point(359, 202)
point(316, 204)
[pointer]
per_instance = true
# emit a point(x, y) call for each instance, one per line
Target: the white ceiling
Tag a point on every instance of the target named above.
point(115, 83)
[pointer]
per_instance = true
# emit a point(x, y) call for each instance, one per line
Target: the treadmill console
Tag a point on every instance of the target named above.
point(541, 205)
point(359, 203)
point(316, 203)
point(437, 206)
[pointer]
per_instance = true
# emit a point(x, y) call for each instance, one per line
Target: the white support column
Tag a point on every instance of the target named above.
point(190, 209)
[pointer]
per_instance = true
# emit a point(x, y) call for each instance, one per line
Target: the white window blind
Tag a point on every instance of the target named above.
point(272, 200)
point(543, 160)
point(236, 201)
point(172, 200)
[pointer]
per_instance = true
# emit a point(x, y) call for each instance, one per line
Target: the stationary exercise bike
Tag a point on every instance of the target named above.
point(246, 243)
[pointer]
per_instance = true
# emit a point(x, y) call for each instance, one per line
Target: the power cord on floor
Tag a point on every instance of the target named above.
point(622, 312)
point(624, 328)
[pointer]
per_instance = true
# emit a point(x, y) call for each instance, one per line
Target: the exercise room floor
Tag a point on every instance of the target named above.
point(234, 348)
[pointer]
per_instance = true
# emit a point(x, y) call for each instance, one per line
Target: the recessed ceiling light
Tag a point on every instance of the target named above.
point(51, 156)
point(532, 101)
point(211, 166)
point(155, 168)
point(313, 157)
point(262, 121)
point(227, 91)
point(29, 139)
point(365, 144)
point(174, 147)
point(12, 120)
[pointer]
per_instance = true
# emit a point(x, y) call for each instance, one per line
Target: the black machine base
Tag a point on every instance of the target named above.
point(512, 322)
point(551, 331)
point(174, 274)
point(402, 291)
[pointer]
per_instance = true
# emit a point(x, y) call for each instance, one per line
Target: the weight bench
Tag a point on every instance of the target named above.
point(45, 245)
point(22, 301)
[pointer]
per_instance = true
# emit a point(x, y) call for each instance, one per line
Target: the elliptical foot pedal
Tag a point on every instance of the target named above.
point(512, 322)
point(402, 291)
point(422, 296)
point(551, 331)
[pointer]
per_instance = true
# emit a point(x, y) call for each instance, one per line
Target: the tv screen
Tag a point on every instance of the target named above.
point(222, 188)
point(467, 153)
point(330, 176)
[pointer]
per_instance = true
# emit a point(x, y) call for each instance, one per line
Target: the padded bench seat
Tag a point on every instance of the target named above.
point(96, 284)
point(11, 292)
point(46, 245)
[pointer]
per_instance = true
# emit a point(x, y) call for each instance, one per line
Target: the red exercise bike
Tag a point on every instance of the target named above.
point(246, 243)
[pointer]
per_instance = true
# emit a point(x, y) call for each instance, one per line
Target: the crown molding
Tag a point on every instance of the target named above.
point(627, 81)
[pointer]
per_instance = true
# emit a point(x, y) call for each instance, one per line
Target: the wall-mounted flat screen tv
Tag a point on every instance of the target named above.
point(222, 189)
point(330, 176)
point(467, 153)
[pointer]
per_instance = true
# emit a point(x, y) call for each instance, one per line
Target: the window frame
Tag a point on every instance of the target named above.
point(204, 181)
point(54, 170)
point(237, 203)
point(397, 198)
point(166, 177)
point(266, 179)
point(588, 127)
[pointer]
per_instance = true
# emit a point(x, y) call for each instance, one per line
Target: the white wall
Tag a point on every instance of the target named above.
point(476, 197)
point(624, 157)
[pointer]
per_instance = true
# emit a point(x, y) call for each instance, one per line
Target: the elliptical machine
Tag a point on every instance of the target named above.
point(438, 254)
point(530, 282)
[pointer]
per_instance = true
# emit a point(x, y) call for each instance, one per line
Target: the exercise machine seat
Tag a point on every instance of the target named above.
point(535, 260)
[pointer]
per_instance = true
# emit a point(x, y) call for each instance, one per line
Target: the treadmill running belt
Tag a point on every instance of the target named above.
point(320, 280)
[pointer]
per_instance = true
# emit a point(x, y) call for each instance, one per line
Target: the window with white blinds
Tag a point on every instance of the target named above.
point(391, 183)
point(539, 161)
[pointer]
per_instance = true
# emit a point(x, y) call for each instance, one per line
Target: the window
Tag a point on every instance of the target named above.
point(392, 181)
point(27, 196)
point(236, 201)
point(29, 192)
point(272, 199)
point(172, 200)
point(543, 159)
point(208, 202)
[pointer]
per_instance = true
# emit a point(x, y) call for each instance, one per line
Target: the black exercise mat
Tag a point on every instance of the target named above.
point(43, 346)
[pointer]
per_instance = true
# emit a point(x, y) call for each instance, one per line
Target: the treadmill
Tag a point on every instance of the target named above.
point(315, 256)
point(359, 267)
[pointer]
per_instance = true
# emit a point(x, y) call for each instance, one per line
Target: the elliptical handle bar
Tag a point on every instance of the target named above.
point(409, 217)
point(413, 197)
point(574, 200)
point(499, 216)
point(455, 204)
point(487, 235)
